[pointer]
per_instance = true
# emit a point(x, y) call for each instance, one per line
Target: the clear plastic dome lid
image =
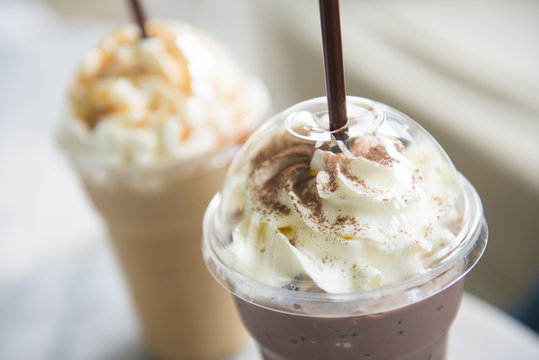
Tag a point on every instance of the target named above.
point(303, 211)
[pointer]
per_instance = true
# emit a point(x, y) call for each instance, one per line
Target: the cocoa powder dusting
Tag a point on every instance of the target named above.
point(332, 168)
point(305, 189)
point(379, 155)
point(374, 152)
point(399, 146)
point(291, 161)
point(282, 167)
point(344, 220)
point(356, 179)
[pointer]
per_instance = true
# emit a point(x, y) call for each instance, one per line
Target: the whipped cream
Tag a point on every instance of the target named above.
point(312, 219)
point(177, 95)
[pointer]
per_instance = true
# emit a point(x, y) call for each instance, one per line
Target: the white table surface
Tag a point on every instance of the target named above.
point(61, 293)
point(76, 307)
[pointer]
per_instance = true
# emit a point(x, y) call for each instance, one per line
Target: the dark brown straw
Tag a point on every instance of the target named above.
point(331, 39)
point(138, 13)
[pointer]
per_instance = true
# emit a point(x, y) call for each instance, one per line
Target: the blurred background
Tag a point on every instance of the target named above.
point(464, 69)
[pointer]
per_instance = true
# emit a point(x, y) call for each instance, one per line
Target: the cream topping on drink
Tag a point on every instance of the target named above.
point(175, 95)
point(314, 219)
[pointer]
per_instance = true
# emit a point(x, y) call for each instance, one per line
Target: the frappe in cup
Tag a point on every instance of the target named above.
point(345, 249)
point(151, 127)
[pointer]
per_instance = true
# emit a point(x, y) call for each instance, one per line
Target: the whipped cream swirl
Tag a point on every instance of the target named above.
point(311, 219)
point(176, 95)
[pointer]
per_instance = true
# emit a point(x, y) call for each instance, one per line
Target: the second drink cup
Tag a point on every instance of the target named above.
point(351, 249)
point(152, 126)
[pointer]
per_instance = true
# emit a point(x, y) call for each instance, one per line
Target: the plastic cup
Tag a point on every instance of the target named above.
point(409, 319)
point(182, 313)
point(180, 89)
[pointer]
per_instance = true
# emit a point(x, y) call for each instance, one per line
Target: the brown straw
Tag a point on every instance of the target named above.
point(138, 13)
point(331, 39)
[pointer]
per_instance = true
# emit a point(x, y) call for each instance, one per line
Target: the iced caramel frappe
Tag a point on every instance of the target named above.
point(151, 127)
point(345, 250)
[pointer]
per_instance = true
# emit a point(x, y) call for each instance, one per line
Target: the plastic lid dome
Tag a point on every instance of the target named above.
point(300, 210)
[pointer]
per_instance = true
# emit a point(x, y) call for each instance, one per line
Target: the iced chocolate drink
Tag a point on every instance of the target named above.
point(151, 128)
point(345, 249)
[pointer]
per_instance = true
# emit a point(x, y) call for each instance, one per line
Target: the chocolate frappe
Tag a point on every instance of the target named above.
point(414, 332)
point(345, 249)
